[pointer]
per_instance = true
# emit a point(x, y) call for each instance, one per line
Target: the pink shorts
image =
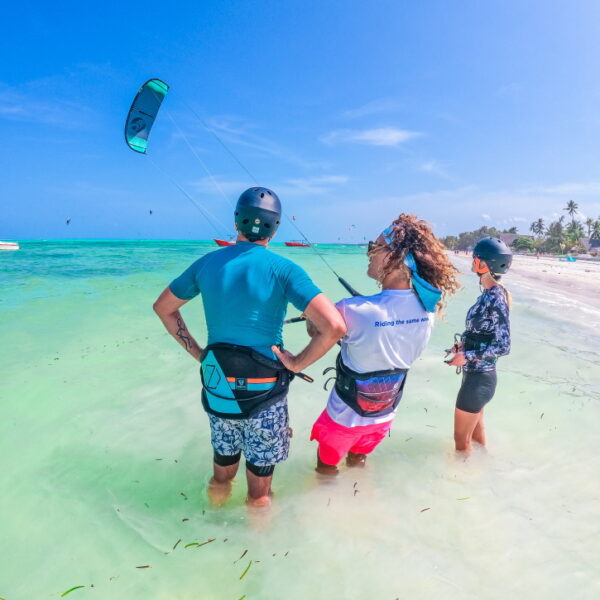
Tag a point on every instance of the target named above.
point(335, 441)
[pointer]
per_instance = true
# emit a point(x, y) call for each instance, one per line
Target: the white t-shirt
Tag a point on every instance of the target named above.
point(386, 331)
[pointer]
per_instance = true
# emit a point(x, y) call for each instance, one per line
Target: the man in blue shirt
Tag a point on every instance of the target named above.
point(245, 290)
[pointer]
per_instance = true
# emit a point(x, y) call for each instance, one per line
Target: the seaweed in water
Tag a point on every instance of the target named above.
point(77, 587)
point(246, 570)
point(176, 543)
point(242, 556)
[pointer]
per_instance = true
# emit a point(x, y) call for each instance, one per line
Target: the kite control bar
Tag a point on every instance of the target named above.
point(346, 285)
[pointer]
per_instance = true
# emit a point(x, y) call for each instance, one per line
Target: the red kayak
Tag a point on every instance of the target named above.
point(297, 244)
point(224, 243)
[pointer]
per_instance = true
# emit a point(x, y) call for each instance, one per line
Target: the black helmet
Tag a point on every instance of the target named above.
point(257, 213)
point(496, 254)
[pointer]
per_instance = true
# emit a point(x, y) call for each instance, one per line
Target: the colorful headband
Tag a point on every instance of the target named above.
point(427, 293)
point(388, 235)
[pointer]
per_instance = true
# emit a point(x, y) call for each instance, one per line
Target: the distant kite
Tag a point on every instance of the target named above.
point(150, 211)
point(68, 221)
point(142, 114)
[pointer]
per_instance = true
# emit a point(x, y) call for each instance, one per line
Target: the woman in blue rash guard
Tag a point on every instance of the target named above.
point(486, 338)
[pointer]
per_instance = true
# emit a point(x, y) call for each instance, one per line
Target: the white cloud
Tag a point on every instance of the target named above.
point(382, 136)
point(288, 187)
point(235, 130)
point(311, 185)
point(433, 167)
point(428, 167)
point(486, 217)
point(452, 209)
point(585, 188)
point(212, 185)
point(511, 90)
point(371, 108)
point(33, 107)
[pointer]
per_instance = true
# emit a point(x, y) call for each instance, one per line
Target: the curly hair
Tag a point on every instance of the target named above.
point(411, 234)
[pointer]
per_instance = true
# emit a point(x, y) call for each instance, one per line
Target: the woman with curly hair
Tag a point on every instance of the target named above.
point(386, 333)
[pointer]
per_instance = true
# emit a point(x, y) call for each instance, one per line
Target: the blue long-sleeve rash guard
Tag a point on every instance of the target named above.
point(489, 315)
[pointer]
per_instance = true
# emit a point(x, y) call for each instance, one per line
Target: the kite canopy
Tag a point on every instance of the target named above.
point(142, 114)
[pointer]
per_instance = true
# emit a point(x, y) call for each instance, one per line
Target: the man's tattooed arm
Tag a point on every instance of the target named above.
point(184, 337)
point(167, 308)
point(185, 340)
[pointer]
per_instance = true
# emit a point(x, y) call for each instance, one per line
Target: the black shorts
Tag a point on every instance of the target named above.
point(476, 390)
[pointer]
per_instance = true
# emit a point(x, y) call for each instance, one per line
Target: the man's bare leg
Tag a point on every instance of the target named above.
point(219, 486)
point(259, 489)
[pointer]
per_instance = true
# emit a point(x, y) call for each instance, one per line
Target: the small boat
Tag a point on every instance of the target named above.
point(9, 246)
point(224, 242)
point(298, 244)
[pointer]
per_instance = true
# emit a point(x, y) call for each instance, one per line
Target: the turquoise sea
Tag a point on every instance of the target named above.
point(106, 453)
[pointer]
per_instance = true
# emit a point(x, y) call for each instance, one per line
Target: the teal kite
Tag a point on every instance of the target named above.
point(142, 114)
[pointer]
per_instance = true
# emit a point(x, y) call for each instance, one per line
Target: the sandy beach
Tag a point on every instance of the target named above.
point(576, 283)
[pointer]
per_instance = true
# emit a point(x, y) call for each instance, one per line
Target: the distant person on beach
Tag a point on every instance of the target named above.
point(486, 338)
point(245, 290)
point(385, 334)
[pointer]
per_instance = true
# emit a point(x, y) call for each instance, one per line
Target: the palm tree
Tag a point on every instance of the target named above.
point(537, 227)
point(572, 208)
point(596, 230)
point(574, 232)
point(555, 236)
point(589, 223)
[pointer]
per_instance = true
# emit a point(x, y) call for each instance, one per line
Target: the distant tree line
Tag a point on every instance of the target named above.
point(557, 236)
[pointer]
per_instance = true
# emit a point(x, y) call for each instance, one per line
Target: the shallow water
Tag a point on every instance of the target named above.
point(106, 453)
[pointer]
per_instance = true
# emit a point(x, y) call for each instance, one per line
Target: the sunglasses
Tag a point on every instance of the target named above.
point(373, 246)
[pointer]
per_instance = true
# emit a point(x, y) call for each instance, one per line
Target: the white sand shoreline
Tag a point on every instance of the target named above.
point(575, 281)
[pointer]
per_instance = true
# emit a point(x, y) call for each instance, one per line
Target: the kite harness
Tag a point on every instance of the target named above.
point(239, 382)
point(372, 394)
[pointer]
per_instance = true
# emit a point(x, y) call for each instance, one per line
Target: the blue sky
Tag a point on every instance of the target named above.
point(465, 113)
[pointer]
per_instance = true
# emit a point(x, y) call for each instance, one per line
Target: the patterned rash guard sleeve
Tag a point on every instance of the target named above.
point(491, 310)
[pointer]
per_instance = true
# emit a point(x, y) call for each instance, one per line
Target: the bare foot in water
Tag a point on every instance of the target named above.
point(218, 492)
point(260, 502)
point(356, 460)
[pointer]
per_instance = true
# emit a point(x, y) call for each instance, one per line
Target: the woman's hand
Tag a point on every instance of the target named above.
point(458, 360)
point(458, 347)
point(289, 360)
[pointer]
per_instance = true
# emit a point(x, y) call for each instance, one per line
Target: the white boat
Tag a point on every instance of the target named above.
point(9, 246)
